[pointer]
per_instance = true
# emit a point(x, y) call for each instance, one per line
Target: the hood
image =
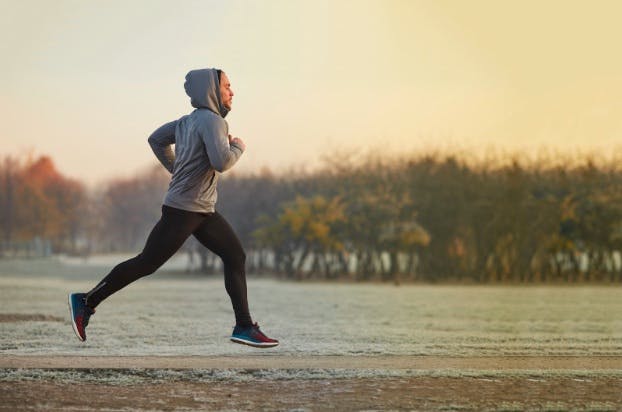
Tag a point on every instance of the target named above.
point(203, 88)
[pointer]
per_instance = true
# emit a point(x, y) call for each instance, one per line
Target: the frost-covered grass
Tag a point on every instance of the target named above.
point(182, 315)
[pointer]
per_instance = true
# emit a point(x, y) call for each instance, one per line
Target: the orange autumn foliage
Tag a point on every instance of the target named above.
point(38, 201)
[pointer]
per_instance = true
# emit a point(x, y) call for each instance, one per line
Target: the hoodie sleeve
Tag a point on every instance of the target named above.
point(161, 141)
point(222, 155)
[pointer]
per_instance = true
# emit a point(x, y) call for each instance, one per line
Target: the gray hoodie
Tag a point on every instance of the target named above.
point(201, 146)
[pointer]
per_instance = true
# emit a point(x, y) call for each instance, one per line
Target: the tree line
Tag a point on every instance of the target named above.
point(432, 218)
point(43, 211)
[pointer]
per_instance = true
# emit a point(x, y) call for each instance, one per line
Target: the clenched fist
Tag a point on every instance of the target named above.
point(238, 142)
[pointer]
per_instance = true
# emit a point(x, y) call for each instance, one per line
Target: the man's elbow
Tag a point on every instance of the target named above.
point(219, 166)
point(222, 165)
point(155, 140)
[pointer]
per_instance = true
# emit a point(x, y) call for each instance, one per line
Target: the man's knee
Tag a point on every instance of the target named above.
point(236, 259)
point(145, 265)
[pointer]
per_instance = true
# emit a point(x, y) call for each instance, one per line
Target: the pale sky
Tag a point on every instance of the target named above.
point(86, 82)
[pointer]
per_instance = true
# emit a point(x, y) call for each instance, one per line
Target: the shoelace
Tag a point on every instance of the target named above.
point(259, 332)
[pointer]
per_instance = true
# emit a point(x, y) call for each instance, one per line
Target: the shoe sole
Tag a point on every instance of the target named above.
point(253, 344)
point(73, 322)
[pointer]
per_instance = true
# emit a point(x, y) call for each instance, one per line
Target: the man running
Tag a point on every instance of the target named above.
point(203, 149)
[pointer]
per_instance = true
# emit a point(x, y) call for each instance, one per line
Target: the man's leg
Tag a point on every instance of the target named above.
point(216, 234)
point(165, 239)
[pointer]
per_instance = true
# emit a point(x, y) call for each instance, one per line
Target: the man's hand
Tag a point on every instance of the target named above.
point(238, 142)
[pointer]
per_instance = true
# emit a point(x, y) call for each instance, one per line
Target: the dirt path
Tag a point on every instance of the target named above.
point(275, 361)
point(57, 383)
point(414, 393)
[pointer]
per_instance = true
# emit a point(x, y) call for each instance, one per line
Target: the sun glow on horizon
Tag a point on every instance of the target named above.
point(88, 82)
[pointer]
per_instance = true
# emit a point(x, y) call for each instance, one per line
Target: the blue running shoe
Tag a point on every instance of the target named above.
point(80, 314)
point(252, 336)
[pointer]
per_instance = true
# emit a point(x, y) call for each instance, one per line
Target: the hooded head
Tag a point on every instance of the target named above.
point(203, 88)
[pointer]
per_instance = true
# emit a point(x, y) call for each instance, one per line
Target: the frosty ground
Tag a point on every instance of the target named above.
point(335, 338)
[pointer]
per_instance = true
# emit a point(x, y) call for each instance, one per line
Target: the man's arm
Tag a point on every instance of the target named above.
point(161, 141)
point(223, 150)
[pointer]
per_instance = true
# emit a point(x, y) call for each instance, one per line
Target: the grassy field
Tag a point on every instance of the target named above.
point(153, 317)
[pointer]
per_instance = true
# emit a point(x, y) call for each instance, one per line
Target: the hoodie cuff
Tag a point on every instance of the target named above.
point(233, 145)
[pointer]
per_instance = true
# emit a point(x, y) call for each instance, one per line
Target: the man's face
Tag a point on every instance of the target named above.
point(226, 94)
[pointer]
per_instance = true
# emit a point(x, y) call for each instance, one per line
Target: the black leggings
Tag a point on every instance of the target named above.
point(168, 235)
